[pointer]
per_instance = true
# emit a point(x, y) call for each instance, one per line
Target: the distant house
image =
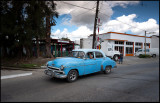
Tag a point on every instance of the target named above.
point(58, 47)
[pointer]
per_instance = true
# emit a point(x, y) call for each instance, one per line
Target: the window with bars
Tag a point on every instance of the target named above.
point(119, 42)
point(138, 44)
point(136, 49)
point(129, 43)
point(147, 44)
point(129, 50)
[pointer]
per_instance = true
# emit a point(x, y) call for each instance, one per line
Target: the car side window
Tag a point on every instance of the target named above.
point(98, 55)
point(90, 55)
point(81, 54)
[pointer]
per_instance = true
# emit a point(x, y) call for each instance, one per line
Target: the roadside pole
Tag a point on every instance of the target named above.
point(95, 23)
point(145, 43)
point(55, 50)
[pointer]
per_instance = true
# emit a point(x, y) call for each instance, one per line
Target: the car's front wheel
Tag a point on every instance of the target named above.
point(72, 76)
point(154, 55)
point(107, 70)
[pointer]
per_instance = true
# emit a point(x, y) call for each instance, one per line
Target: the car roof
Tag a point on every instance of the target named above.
point(89, 50)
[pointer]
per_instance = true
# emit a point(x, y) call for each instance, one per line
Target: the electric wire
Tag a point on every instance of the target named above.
point(103, 14)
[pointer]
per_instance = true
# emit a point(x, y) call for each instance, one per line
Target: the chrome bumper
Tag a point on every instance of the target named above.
point(55, 73)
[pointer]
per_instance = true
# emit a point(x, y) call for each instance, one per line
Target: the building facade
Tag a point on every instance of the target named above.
point(59, 47)
point(127, 44)
point(155, 41)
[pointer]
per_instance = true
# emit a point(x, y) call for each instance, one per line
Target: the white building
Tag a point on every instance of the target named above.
point(127, 44)
point(155, 41)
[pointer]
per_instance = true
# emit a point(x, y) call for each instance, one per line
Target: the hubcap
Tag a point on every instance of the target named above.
point(116, 58)
point(108, 70)
point(72, 75)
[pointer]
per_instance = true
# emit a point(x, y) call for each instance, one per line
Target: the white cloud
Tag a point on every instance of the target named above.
point(126, 23)
point(58, 34)
point(81, 32)
point(83, 17)
point(123, 4)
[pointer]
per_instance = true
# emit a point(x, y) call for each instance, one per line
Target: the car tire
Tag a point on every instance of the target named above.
point(107, 70)
point(72, 76)
point(140, 55)
point(115, 58)
point(154, 55)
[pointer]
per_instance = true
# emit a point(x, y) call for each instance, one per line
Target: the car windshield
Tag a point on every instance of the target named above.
point(77, 54)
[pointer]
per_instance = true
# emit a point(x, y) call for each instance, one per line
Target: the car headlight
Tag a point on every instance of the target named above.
point(62, 67)
point(47, 64)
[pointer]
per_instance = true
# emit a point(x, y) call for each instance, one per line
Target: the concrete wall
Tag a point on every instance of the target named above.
point(155, 42)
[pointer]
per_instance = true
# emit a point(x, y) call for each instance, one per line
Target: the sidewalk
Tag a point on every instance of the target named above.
point(131, 60)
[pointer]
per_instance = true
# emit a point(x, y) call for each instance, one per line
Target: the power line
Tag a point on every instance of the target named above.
point(77, 6)
point(123, 22)
point(85, 12)
point(101, 13)
point(81, 5)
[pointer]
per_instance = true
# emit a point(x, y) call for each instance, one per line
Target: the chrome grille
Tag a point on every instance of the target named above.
point(53, 68)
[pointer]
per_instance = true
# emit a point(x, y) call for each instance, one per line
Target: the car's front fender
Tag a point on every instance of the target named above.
point(79, 66)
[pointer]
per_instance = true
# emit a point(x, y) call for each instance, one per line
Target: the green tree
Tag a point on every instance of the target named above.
point(21, 21)
point(50, 21)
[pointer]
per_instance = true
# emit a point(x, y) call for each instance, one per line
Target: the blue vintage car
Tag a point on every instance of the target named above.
point(79, 62)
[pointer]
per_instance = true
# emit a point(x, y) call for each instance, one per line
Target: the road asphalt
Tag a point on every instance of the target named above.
point(136, 80)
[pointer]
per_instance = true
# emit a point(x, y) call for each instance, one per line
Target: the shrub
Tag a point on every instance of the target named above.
point(144, 56)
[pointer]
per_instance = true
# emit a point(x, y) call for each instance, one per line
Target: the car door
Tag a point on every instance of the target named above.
point(89, 64)
point(99, 60)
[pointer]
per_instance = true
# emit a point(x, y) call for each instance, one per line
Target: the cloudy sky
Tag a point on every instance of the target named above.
point(76, 18)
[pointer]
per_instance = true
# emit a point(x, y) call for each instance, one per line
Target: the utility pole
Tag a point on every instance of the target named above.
point(95, 23)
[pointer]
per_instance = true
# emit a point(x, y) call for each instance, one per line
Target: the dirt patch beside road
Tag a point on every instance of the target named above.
point(25, 63)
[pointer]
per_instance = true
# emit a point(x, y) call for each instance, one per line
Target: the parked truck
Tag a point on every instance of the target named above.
point(151, 51)
point(106, 47)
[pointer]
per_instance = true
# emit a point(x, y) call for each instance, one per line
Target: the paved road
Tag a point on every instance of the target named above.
point(127, 83)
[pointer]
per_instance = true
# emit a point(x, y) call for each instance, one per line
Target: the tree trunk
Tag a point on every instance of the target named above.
point(28, 52)
point(4, 52)
point(37, 46)
point(20, 51)
point(48, 40)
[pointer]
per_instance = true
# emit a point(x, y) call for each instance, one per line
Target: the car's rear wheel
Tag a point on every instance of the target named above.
point(107, 70)
point(72, 76)
point(115, 57)
point(154, 55)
